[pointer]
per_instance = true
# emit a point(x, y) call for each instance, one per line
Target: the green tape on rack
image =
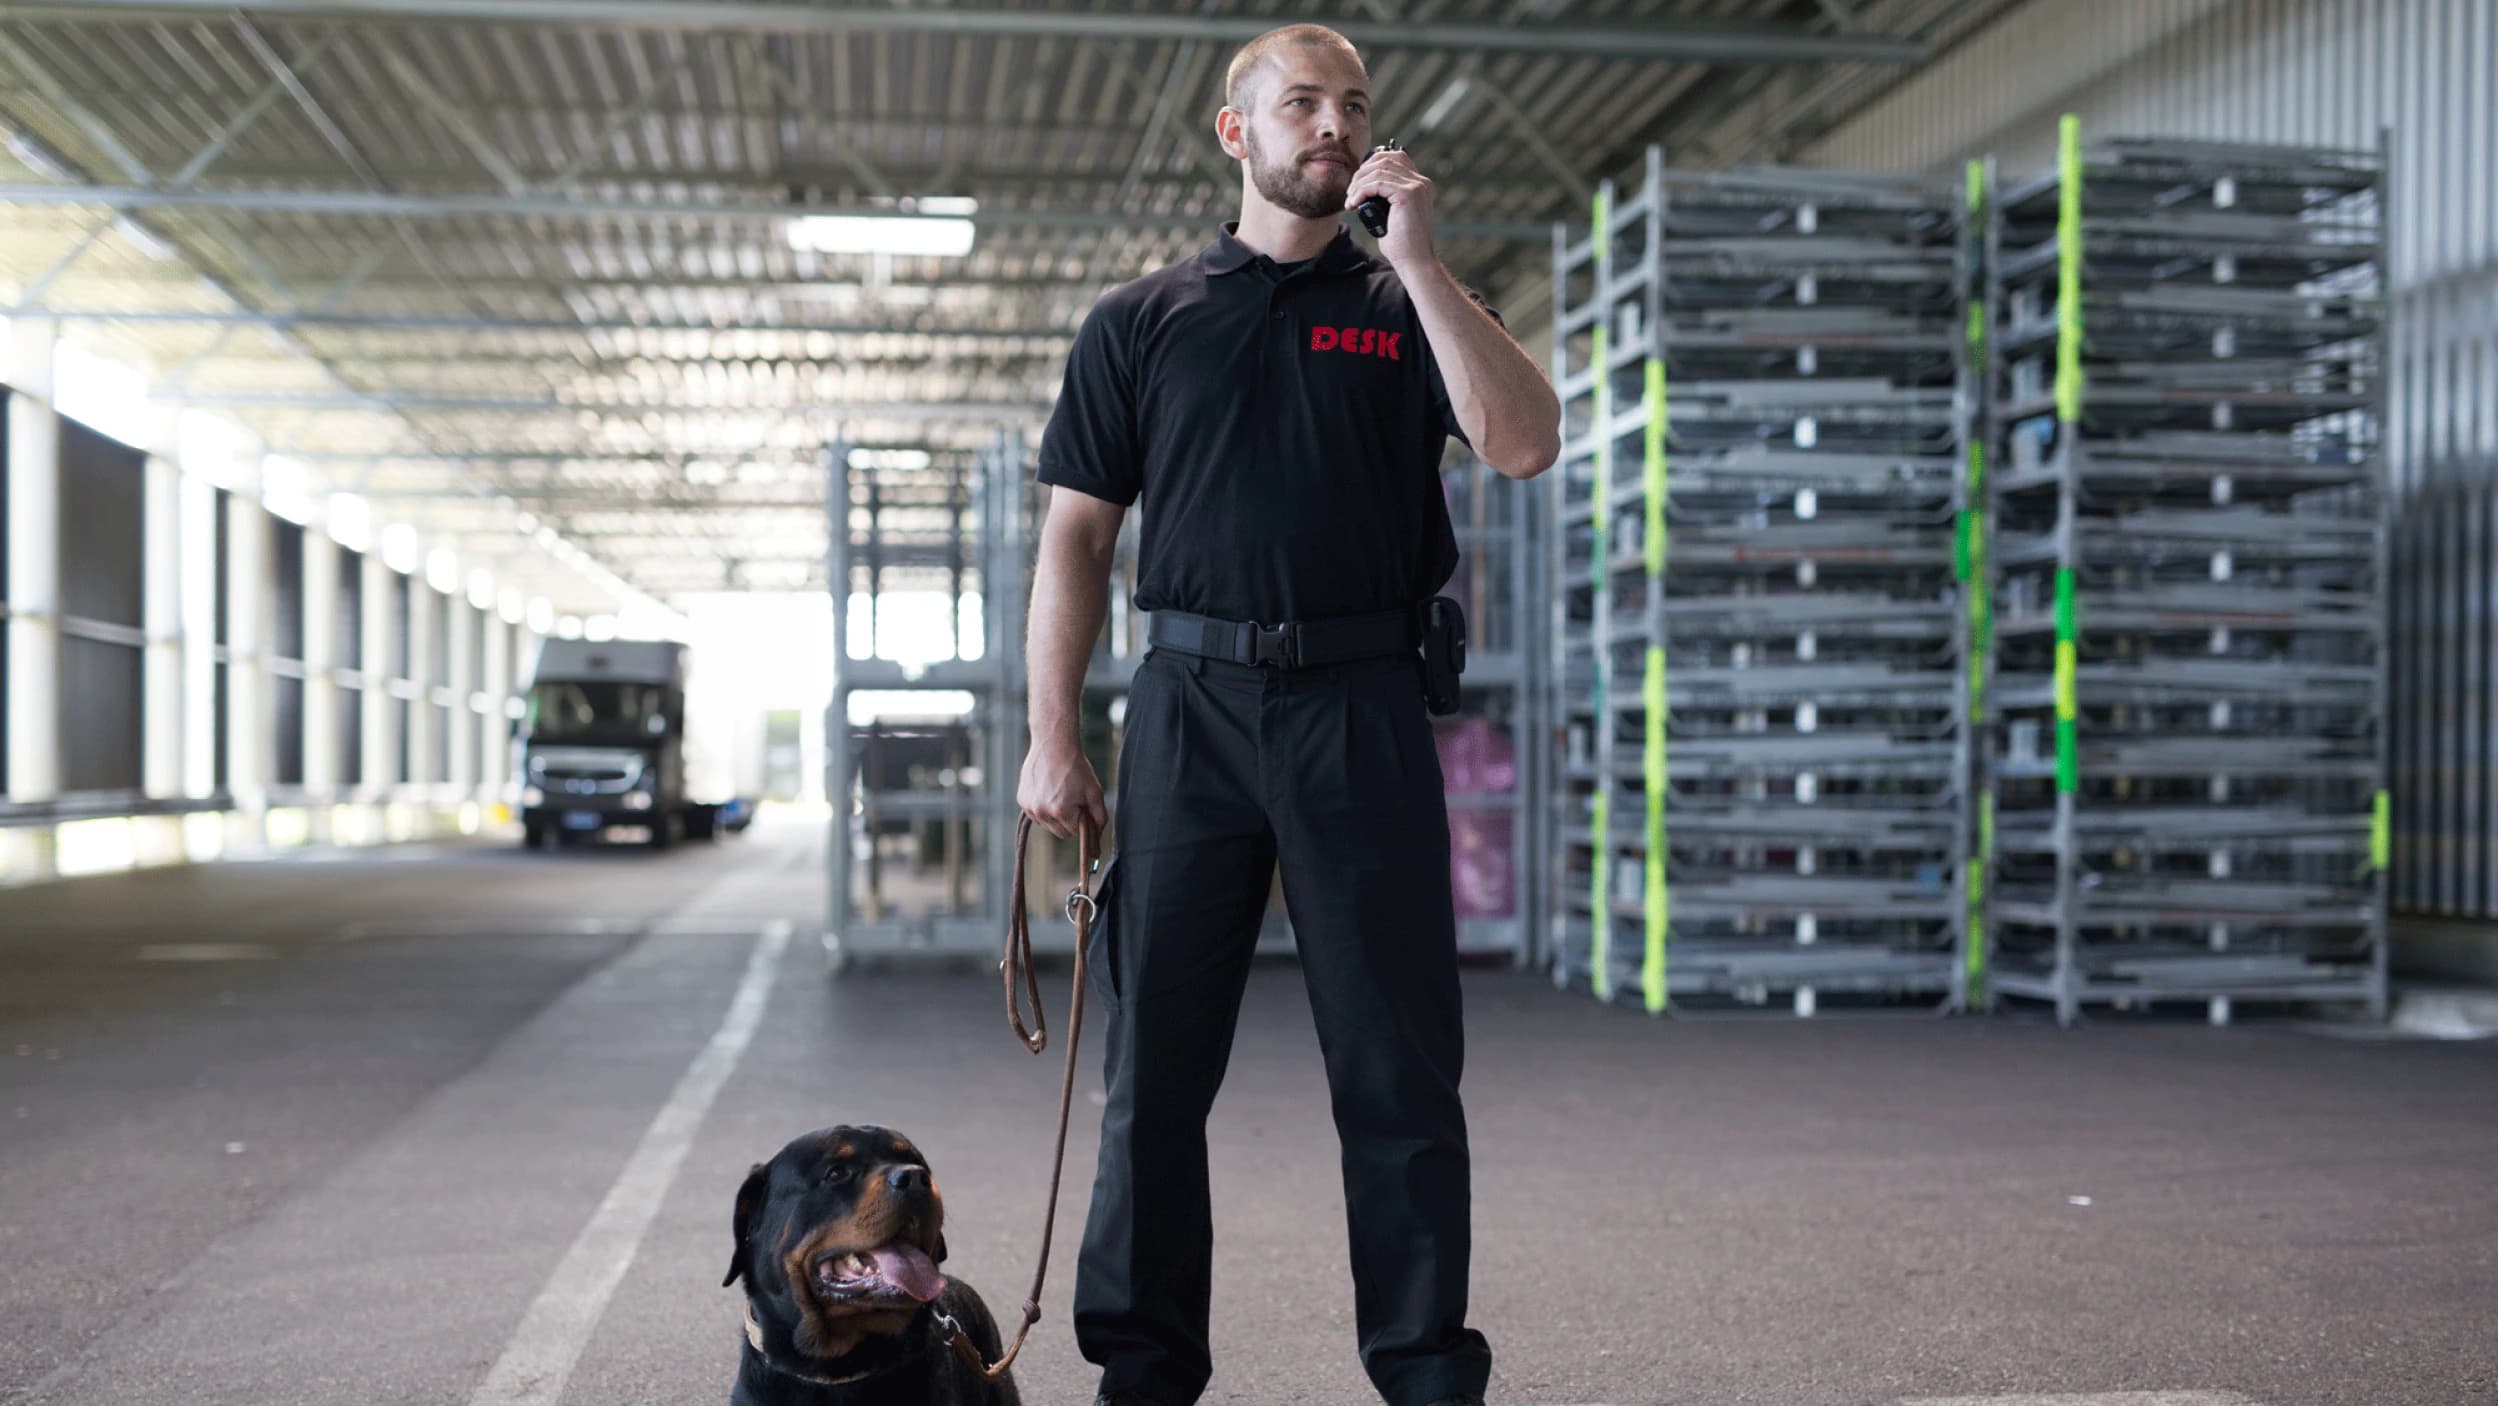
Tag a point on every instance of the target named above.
point(1604, 234)
point(2069, 271)
point(2381, 832)
point(1600, 571)
point(1981, 630)
point(1975, 192)
point(1970, 556)
point(1984, 597)
point(1981, 617)
point(1658, 900)
point(1654, 468)
point(1974, 963)
point(2068, 665)
point(1964, 526)
point(1599, 912)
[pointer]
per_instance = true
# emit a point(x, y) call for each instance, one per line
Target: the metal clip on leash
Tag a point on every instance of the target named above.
point(1035, 1037)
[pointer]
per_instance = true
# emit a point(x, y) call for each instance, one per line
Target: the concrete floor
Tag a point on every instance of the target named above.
point(380, 1128)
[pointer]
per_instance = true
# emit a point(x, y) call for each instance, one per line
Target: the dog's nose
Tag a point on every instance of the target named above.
point(907, 1179)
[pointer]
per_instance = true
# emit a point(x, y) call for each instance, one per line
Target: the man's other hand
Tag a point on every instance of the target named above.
point(1060, 791)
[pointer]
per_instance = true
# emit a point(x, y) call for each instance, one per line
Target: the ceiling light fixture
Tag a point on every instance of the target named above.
point(36, 157)
point(1446, 103)
point(147, 241)
point(937, 226)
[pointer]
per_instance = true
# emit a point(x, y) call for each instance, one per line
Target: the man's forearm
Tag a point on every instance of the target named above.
point(1502, 398)
point(1070, 597)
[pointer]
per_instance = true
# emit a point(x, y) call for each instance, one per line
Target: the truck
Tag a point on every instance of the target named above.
point(604, 745)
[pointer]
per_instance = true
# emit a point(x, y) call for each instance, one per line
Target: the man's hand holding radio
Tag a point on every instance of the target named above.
point(1502, 400)
point(1391, 175)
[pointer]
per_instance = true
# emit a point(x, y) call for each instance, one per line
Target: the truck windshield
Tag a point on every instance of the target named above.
point(596, 710)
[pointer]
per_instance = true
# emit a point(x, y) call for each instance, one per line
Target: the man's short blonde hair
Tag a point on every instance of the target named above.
point(1256, 52)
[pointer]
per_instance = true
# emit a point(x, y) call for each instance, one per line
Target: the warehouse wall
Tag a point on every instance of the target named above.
point(2422, 76)
point(2326, 72)
point(193, 665)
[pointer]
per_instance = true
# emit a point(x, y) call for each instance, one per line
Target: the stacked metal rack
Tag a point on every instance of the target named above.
point(931, 790)
point(1490, 754)
point(1758, 637)
point(2187, 551)
point(924, 797)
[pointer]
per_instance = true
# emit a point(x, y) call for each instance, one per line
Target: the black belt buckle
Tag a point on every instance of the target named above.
point(1279, 645)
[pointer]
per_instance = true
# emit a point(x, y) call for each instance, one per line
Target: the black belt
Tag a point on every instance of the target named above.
point(1293, 644)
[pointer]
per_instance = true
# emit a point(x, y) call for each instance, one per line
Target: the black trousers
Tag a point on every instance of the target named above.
point(1227, 771)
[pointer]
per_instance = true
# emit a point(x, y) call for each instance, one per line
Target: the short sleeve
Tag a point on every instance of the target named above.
point(1439, 387)
point(1092, 444)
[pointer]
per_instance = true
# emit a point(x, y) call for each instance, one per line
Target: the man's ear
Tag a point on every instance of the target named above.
point(749, 1201)
point(1227, 132)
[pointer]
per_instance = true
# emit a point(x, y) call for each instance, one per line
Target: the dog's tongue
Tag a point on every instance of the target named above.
point(908, 1268)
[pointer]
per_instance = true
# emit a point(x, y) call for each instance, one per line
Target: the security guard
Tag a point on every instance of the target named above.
point(1278, 402)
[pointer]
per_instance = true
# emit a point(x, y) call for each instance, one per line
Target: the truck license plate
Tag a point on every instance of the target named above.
point(580, 820)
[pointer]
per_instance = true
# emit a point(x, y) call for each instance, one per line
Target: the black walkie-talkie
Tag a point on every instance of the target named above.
point(1374, 211)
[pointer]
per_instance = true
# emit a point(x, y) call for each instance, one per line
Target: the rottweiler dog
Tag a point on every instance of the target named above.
point(838, 1239)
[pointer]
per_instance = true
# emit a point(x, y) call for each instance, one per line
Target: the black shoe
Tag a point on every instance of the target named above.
point(1460, 1401)
point(1122, 1398)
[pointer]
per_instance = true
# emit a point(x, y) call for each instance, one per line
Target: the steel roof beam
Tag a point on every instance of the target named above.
point(596, 503)
point(509, 405)
point(367, 204)
point(682, 283)
point(672, 460)
point(410, 322)
point(470, 359)
point(1654, 40)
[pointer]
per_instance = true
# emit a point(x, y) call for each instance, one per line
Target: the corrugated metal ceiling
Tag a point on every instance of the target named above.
point(672, 356)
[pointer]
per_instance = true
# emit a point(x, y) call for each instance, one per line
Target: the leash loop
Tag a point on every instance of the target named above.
point(1081, 911)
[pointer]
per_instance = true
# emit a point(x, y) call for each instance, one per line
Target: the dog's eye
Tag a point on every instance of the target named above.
point(837, 1174)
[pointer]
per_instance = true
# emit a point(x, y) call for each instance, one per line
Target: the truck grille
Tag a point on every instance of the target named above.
point(588, 781)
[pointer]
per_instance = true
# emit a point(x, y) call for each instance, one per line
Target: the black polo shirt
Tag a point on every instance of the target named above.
point(1282, 425)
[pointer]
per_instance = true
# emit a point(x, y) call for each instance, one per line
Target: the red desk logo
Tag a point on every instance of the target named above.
point(1362, 341)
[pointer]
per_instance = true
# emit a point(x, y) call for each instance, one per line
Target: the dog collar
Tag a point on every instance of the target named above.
point(754, 1339)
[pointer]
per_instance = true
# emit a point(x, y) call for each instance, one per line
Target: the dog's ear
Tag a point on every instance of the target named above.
point(749, 1202)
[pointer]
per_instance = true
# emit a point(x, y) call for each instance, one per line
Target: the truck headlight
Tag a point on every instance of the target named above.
point(637, 800)
point(532, 796)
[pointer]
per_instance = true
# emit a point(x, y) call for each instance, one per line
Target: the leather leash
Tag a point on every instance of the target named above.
point(1035, 1037)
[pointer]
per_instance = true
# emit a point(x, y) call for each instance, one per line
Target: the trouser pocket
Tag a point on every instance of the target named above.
point(1102, 954)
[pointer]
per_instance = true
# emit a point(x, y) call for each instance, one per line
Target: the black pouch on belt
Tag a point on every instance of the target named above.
point(1443, 654)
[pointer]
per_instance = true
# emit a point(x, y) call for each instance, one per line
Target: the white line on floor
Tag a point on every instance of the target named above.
point(204, 952)
point(2104, 1398)
point(2100, 1398)
point(540, 1357)
point(499, 927)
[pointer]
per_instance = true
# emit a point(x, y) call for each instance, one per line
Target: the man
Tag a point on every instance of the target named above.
point(1279, 402)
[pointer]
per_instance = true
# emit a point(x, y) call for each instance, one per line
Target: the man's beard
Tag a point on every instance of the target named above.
point(1290, 185)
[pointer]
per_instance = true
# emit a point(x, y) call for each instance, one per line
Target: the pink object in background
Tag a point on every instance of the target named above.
point(1479, 759)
